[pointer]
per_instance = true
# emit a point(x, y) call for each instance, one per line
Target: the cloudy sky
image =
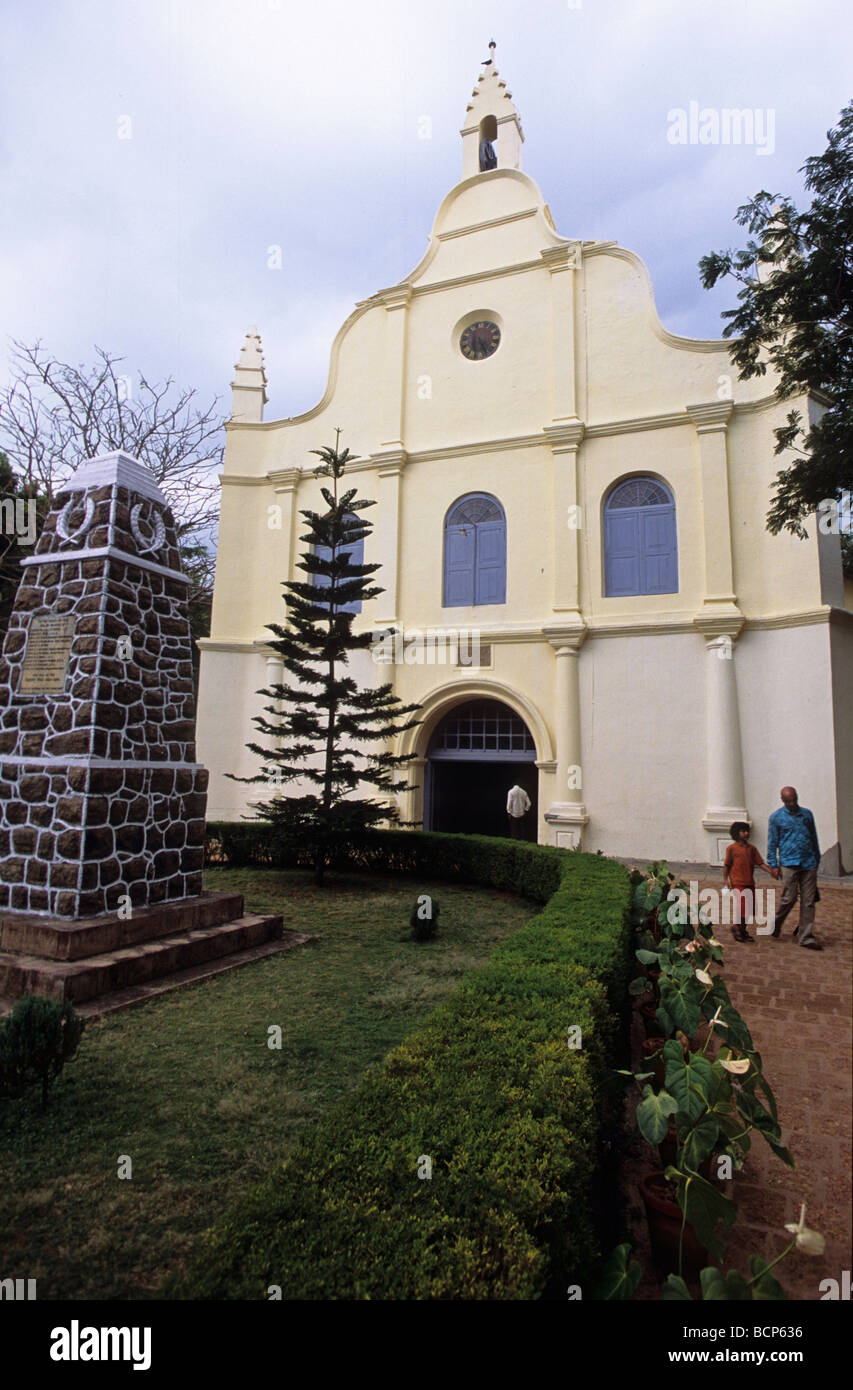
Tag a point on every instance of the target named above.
point(153, 152)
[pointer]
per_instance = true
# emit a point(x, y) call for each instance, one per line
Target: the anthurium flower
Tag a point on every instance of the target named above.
point(811, 1242)
point(703, 977)
point(739, 1067)
point(717, 1020)
point(690, 946)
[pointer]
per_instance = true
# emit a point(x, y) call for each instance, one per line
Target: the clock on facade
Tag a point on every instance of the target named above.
point(480, 340)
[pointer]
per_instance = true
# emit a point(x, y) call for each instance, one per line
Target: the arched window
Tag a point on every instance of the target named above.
point(640, 543)
point(356, 551)
point(474, 552)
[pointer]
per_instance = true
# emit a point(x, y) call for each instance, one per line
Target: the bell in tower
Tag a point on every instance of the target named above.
point(492, 136)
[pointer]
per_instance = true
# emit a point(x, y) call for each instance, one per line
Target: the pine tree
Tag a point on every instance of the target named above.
point(327, 720)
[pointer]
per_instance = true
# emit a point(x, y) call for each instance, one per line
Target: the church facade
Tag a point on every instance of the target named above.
point(570, 524)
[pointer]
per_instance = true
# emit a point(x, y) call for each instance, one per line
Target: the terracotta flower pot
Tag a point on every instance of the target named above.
point(665, 1219)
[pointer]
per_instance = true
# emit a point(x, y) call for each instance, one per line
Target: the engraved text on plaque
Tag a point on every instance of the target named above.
point(46, 659)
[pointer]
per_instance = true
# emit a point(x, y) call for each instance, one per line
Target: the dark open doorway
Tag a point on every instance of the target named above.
point(470, 798)
point(475, 755)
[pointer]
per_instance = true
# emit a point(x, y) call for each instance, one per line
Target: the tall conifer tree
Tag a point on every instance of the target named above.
point(325, 720)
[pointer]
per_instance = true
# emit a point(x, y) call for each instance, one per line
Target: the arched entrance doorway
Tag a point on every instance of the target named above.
point(474, 756)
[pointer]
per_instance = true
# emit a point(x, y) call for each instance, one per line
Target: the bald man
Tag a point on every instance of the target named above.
point(792, 845)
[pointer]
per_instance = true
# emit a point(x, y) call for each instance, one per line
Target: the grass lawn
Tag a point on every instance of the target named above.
point(187, 1087)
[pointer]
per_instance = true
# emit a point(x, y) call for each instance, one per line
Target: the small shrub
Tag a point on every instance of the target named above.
point(36, 1041)
point(424, 918)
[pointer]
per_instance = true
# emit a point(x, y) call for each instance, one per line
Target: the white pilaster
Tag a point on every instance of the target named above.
point(724, 794)
point(564, 437)
point(393, 393)
point(568, 815)
point(711, 423)
point(387, 532)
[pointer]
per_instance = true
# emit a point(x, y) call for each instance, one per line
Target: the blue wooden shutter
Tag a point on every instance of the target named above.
point(622, 552)
point(491, 562)
point(458, 566)
point(658, 549)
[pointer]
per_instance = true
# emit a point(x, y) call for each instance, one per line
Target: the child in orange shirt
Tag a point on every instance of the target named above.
point(739, 877)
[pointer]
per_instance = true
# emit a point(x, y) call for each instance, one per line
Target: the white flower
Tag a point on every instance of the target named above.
point(703, 977)
point(691, 946)
point(812, 1242)
point(712, 941)
point(717, 1020)
point(739, 1067)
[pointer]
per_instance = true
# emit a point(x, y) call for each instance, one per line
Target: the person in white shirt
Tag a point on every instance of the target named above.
point(517, 806)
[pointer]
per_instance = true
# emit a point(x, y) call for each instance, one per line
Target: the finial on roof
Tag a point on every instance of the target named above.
point(488, 61)
point(249, 394)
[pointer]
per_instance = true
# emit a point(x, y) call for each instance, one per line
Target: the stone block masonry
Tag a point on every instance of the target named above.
point(101, 799)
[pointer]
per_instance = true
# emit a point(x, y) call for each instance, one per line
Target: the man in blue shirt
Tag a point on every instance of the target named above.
point(792, 843)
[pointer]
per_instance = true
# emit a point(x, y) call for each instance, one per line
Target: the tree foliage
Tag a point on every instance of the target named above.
point(319, 735)
point(795, 315)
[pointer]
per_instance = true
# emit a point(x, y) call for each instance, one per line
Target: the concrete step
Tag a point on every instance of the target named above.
point(131, 966)
point(58, 940)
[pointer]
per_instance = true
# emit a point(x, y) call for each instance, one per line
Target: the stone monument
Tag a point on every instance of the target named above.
point(102, 803)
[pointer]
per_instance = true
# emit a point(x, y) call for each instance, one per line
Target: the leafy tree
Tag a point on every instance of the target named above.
point(327, 718)
point(796, 314)
point(53, 416)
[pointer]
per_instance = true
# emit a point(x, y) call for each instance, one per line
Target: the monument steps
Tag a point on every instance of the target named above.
point(190, 975)
point(131, 965)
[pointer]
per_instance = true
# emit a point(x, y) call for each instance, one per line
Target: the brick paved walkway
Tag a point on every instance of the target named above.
point(798, 1006)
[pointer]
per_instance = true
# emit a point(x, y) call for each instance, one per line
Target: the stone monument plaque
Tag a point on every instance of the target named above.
point(45, 663)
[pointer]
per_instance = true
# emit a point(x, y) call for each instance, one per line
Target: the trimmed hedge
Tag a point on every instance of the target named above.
point(487, 1087)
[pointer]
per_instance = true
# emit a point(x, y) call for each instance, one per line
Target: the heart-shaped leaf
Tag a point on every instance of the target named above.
point(620, 1276)
point(689, 1079)
point(680, 997)
point(675, 1290)
point(705, 1206)
point(699, 1143)
point(653, 1114)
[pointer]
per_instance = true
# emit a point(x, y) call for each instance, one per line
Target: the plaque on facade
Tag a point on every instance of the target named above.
point(45, 663)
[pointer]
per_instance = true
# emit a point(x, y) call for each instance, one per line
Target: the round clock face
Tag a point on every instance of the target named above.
point(480, 340)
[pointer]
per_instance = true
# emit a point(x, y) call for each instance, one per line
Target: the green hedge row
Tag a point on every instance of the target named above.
point(488, 1088)
point(531, 870)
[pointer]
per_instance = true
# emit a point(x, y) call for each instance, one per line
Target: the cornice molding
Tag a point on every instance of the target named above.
point(285, 479)
point(388, 462)
point(559, 258)
point(564, 436)
point(711, 417)
point(498, 273)
point(594, 629)
point(489, 222)
point(397, 297)
point(637, 424)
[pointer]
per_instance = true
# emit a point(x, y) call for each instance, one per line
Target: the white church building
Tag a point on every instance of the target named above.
point(584, 494)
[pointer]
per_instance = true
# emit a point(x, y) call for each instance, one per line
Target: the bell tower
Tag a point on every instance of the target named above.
point(491, 136)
